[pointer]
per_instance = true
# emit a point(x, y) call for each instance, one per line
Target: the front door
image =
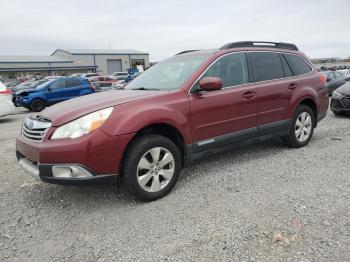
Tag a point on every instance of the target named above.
point(224, 116)
point(55, 92)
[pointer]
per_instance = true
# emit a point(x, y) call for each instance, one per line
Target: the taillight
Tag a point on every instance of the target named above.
point(323, 79)
point(6, 92)
point(92, 87)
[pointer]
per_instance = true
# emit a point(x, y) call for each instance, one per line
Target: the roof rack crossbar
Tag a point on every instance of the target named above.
point(280, 45)
point(187, 51)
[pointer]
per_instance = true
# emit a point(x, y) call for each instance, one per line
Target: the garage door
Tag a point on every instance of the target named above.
point(114, 66)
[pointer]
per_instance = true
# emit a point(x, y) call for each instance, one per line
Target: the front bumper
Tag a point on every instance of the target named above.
point(97, 154)
point(337, 106)
point(20, 101)
point(46, 173)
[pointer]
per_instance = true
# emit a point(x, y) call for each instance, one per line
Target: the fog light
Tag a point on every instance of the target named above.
point(70, 172)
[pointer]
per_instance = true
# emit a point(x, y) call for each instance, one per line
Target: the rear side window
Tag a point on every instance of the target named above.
point(298, 65)
point(231, 69)
point(268, 66)
point(72, 82)
point(286, 68)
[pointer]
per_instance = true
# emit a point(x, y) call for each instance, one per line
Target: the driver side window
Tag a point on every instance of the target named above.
point(231, 69)
point(58, 84)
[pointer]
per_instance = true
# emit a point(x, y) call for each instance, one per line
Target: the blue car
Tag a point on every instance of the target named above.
point(52, 92)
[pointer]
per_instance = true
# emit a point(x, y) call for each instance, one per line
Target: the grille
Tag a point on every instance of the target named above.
point(345, 101)
point(35, 128)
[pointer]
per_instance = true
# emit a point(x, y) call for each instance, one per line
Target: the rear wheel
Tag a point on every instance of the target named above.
point(301, 129)
point(37, 105)
point(151, 167)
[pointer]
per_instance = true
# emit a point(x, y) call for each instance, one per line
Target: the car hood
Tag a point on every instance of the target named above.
point(69, 110)
point(24, 90)
point(344, 89)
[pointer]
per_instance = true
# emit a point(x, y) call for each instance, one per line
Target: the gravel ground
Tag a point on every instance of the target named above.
point(262, 202)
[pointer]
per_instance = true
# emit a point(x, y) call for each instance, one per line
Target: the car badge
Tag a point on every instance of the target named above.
point(30, 125)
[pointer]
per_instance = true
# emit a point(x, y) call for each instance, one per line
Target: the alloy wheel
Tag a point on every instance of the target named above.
point(155, 169)
point(303, 127)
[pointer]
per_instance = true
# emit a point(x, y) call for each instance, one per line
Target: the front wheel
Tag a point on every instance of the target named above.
point(37, 105)
point(301, 129)
point(151, 167)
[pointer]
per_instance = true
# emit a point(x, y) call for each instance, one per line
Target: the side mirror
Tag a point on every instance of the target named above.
point(210, 84)
point(49, 89)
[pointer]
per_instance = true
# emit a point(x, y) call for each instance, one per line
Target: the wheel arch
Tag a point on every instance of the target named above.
point(164, 129)
point(312, 104)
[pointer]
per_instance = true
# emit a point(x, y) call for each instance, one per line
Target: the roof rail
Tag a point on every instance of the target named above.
point(187, 51)
point(260, 44)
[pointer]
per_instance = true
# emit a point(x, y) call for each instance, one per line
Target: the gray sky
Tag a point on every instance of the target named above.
point(162, 28)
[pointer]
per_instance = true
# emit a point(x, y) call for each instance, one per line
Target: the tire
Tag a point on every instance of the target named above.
point(37, 105)
point(301, 138)
point(144, 176)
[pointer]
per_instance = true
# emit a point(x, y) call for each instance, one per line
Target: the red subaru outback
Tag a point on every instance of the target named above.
point(186, 107)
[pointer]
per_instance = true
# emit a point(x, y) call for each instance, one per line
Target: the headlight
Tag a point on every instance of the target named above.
point(337, 95)
point(83, 125)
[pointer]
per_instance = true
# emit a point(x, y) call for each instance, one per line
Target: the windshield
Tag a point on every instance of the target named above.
point(169, 74)
point(44, 83)
point(25, 85)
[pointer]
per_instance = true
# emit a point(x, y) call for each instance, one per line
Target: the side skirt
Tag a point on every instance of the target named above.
point(237, 139)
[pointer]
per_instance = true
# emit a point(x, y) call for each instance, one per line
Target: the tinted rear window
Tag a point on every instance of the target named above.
point(72, 82)
point(267, 66)
point(298, 65)
point(287, 71)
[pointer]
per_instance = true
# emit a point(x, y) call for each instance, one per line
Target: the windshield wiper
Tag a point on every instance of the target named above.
point(143, 88)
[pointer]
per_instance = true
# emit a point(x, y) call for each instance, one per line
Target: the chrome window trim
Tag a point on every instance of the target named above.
point(234, 52)
point(254, 82)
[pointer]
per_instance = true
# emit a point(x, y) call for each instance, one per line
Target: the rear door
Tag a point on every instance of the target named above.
point(275, 87)
point(73, 88)
point(224, 116)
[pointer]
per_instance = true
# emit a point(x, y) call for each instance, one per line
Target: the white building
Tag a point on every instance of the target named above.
point(66, 62)
point(106, 61)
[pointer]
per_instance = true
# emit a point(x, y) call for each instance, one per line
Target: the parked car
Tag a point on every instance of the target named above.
point(340, 102)
point(102, 83)
point(120, 75)
point(52, 92)
point(6, 106)
point(53, 77)
point(334, 80)
point(12, 84)
point(120, 84)
point(88, 75)
point(76, 75)
point(345, 73)
point(28, 85)
point(184, 108)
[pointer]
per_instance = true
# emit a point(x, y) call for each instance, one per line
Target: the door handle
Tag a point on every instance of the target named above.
point(248, 95)
point(293, 86)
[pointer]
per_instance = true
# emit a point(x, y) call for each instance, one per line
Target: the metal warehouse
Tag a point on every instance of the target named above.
point(69, 61)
